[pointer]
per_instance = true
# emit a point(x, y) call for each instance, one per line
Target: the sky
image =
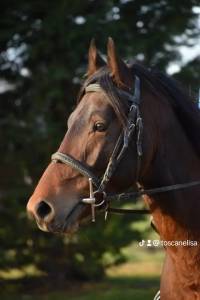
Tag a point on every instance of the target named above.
point(187, 53)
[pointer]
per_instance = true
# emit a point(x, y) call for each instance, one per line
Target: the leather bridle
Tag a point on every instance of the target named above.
point(134, 126)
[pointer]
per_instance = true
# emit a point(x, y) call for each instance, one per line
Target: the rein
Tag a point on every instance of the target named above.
point(134, 125)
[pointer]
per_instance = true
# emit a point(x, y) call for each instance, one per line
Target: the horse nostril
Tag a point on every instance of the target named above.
point(43, 210)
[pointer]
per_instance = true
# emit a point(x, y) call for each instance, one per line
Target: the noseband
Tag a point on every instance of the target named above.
point(134, 126)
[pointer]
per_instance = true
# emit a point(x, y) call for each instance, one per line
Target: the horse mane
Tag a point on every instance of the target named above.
point(185, 108)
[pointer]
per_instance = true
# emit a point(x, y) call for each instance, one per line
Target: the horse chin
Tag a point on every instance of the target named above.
point(72, 229)
point(59, 227)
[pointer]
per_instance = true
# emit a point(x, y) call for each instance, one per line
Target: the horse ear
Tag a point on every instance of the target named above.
point(119, 70)
point(94, 59)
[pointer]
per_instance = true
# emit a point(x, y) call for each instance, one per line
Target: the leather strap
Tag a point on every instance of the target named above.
point(149, 192)
point(75, 164)
point(127, 211)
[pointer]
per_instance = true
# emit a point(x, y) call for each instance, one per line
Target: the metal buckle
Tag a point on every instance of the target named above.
point(132, 106)
point(91, 200)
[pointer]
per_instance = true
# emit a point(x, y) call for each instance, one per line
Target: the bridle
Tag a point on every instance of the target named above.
point(134, 126)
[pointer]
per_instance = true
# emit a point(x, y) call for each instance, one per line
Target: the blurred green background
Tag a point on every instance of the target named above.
point(43, 57)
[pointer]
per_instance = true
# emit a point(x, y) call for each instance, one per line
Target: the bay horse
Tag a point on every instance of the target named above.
point(106, 139)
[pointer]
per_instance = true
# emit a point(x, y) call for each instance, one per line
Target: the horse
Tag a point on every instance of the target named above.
point(132, 126)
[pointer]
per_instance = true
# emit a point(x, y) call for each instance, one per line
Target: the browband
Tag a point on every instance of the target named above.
point(95, 87)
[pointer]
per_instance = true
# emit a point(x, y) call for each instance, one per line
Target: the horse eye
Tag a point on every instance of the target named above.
point(99, 127)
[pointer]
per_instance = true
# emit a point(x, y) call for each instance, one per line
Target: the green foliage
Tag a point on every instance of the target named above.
point(109, 294)
point(110, 290)
point(43, 58)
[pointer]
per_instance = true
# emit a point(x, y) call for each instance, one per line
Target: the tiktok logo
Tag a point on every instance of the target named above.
point(142, 243)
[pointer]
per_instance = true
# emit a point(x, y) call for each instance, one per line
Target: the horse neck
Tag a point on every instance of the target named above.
point(171, 160)
point(175, 161)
